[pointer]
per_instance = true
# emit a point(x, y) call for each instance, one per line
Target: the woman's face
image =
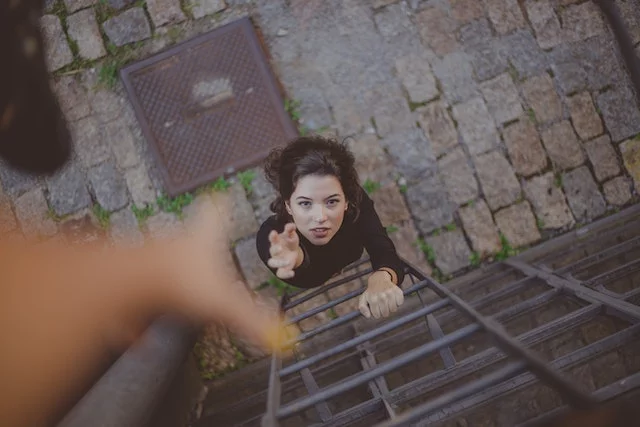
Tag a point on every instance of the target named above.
point(317, 206)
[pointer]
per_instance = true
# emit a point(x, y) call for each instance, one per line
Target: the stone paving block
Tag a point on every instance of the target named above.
point(410, 152)
point(57, 51)
point(476, 126)
point(349, 120)
point(475, 34)
point(524, 147)
point(253, 269)
point(391, 114)
point(263, 194)
point(395, 26)
point(67, 191)
point(617, 191)
point(455, 74)
point(630, 151)
point(568, 70)
point(438, 127)
point(106, 105)
point(417, 79)
point(584, 116)
point(81, 228)
point(544, 22)
point(629, 12)
point(119, 4)
point(457, 176)
point(603, 158)
point(371, 160)
point(503, 100)
point(74, 5)
point(236, 208)
point(33, 214)
point(518, 224)
point(202, 8)
point(562, 145)
point(72, 98)
point(583, 195)
point(480, 228)
point(452, 251)
point(582, 21)
point(620, 113)
point(489, 59)
point(7, 217)
point(83, 29)
point(14, 181)
point(118, 135)
point(404, 239)
point(140, 186)
point(548, 202)
point(540, 94)
point(524, 54)
point(378, 4)
point(437, 30)
point(499, 183)
point(429, 203)
point(124, 228)
point(164, 225)
point(603, 65)
point(390, 205)
point(109, 186)
point(505, 15)
point(88, 142)
point(128, 27)
point(465, 11)
point(165, 12)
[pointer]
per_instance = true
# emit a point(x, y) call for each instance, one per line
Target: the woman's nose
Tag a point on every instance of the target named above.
point(320, 214)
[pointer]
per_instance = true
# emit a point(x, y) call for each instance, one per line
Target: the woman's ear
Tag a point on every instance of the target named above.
point(288, 208)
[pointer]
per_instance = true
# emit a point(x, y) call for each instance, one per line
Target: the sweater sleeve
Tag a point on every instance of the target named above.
point(376, 241)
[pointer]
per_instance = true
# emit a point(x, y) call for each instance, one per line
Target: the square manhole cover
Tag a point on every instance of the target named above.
point(208, 106)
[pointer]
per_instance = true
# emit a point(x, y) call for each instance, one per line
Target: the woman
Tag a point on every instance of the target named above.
point(323, 221)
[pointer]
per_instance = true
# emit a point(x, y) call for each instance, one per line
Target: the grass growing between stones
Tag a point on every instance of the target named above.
point(506, 251)
point(102, 215)
point(55, 217)
point(175, 205)
point(371, 186)
point(475, 259)
point(214, 362)
point(280, 286)
point(391, 229)
point(142, 214)
point(428, 251)
point(246, 180)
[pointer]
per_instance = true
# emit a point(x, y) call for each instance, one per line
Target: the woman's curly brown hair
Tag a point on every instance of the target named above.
point(312, 155)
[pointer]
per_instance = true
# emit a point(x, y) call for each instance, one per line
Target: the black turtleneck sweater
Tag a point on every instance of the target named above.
point(347, 245)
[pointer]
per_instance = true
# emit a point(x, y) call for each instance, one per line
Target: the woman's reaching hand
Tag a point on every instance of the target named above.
point(285, 251)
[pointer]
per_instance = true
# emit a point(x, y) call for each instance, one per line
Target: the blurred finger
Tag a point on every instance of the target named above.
point(276, 263)
point(393, 304)
point(290, 230)
point(364, 307)
point(273, 237)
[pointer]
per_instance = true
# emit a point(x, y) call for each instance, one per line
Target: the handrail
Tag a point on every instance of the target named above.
point(129, 393)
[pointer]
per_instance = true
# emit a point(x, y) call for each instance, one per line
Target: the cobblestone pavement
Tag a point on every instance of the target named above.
point(480, 127)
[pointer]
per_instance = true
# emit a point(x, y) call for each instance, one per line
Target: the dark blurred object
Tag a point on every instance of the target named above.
point(613, 414)
point(33, 135)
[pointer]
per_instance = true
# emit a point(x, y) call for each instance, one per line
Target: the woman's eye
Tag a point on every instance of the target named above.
point(305, 204)
point(333, 202)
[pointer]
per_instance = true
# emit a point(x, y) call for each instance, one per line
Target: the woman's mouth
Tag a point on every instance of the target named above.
point(320, 233)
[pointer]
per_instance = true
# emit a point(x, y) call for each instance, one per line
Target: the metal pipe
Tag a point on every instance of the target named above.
point(396, 323)
point(382, 369)
point(409, 418)
point(510, 346)
point(348, 317)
